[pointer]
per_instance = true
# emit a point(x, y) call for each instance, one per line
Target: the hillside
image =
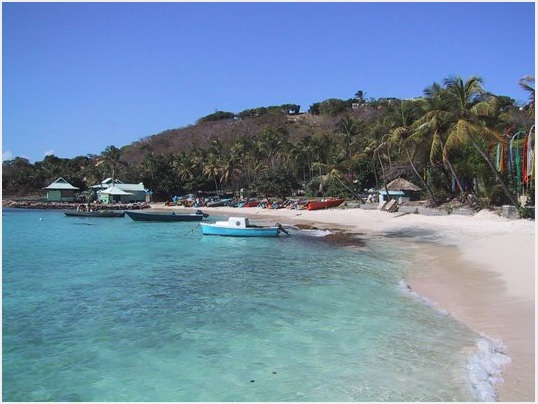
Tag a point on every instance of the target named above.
point(201, 134)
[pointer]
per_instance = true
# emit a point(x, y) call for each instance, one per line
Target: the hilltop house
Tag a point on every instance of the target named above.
point(109, 191)
point(61, 191)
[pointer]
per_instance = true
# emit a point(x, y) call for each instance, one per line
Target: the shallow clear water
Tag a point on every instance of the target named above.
point(115, 310)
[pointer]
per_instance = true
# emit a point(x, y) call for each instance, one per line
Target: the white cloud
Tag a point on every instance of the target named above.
point(49, 153)
point(7, 155)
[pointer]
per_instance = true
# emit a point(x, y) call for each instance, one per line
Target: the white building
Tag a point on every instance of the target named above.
point(109, 191)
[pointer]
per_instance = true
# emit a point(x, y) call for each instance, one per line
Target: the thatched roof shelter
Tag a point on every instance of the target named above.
point(399, 184)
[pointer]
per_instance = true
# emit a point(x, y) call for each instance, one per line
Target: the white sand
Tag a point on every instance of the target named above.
point(480, 269)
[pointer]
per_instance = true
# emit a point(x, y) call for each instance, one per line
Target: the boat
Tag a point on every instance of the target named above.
point(95, 213)
point(324, 203)
point(166, 216)
point(247, 203)
point(240, 227)
point(252, 204)
point(218, 202)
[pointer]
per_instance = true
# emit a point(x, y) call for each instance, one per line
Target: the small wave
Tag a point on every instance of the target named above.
point(484, 367)
point(404, 287)
point(316, 233)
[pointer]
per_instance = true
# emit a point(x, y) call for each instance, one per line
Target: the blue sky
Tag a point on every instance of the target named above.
point(78, 77)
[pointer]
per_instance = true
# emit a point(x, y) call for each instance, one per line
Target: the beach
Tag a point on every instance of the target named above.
point(479, 269)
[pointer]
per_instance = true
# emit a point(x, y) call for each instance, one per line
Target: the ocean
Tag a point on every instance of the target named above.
point(97, 309)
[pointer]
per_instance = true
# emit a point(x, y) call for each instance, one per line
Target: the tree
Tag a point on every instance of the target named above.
point(359, 97)
point(213, 164)
point(19, 176)
point(112, 159)
point(527, 83)
point(277, 181)
point(272, 143)
point(331, 107)
point(52, 167)
point(431, 128)
point(471, 112)
point(239, 158)
point(348, 128)
point(382, 152)
point(401, 117)
point(320, 148)
point(217, 116)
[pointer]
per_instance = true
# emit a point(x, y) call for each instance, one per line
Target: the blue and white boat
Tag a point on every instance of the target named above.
point(240, 227)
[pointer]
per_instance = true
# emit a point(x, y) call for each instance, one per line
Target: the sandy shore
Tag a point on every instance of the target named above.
point(480, 269)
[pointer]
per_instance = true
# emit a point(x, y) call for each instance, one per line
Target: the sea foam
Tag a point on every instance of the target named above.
point(484, 367)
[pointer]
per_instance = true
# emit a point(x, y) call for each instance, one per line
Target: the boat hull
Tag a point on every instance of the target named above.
point(212, 230)
point(331, 203)
point(165, 216)
point(97, 213)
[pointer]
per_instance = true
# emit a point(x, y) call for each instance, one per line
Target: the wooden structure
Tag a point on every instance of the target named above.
point(61, 191)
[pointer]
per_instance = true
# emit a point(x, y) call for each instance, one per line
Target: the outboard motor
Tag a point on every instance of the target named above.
point(282, 229)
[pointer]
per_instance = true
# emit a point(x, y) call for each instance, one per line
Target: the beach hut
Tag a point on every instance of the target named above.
point(61, 191)
point(114, 194)
point(137, 192)
point(410, 191)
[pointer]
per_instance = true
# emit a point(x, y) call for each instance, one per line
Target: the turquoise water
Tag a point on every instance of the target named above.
point(116, 310)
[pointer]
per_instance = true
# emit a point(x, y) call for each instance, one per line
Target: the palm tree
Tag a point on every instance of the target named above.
point(302, 152)
point(320, 149)
point(471, 112)
point(239, 158)
point(112, 158)
point(272, 143)
point(430, 129)
point(348, 128)
point(212, 167)
point(382, 151)
point(403, 118)
point(183, 167)
point(527, 83)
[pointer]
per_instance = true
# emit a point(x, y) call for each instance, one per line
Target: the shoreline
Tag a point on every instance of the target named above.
point(479, 269)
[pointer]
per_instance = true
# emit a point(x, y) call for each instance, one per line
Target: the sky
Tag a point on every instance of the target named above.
point(78, 77)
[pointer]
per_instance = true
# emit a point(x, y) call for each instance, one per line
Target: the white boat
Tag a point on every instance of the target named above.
point(240, 227)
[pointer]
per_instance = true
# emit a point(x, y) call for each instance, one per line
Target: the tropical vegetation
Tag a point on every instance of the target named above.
point(456, 140)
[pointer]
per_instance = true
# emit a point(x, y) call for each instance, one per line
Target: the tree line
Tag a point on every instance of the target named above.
point(455, 140)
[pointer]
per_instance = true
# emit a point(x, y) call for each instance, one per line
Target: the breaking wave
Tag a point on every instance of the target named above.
point(484, 368)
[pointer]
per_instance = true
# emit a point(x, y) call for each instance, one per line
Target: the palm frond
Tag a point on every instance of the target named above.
point(485, 109)
point(436, 147)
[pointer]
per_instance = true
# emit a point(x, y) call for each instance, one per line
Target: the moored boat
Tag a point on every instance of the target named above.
point(95, 213)
point(166, 216)
point(240, 227)
point(324, 203)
